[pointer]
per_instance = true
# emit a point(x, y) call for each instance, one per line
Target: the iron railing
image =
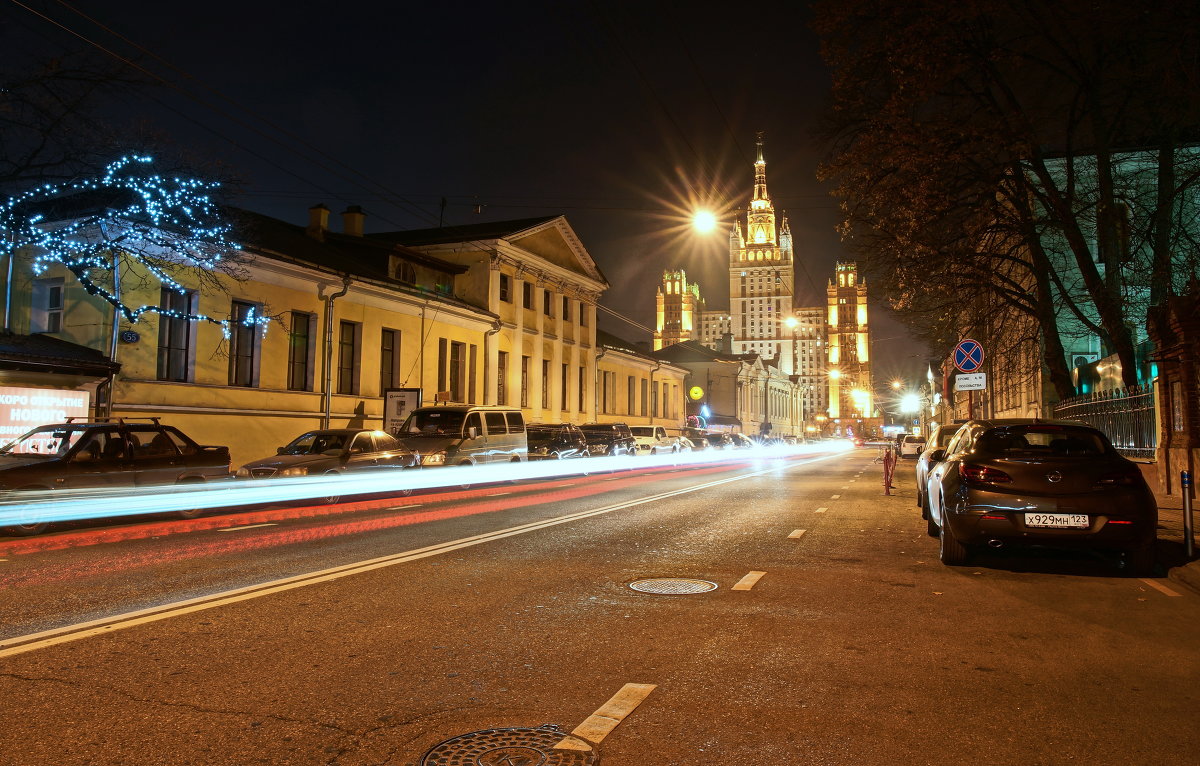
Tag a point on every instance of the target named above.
point(1126, 415)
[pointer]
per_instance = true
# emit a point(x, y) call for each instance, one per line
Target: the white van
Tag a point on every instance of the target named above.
point(465, 434)
point(653, 440)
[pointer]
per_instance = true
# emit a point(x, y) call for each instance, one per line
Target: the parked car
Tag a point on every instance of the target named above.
point(741, 441)
point(1045, 482)
point(556, 442)
point(465, 434)
point(719, 440)
point(653, 440)
point(609, 439)
point(912, 446)
point(939, 439)
point(333, 451)
point(117, 452)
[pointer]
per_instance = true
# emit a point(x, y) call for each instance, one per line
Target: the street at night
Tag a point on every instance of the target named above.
point(309, 641)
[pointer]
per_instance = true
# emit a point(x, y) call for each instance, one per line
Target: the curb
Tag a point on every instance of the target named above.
point(1187, 575)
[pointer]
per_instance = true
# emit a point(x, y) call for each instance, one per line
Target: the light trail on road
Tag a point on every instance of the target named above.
point(75, 505)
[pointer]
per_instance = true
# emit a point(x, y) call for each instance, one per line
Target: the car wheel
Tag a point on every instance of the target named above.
point(29, 525)
point(190, 513)
point(331, 499)
point(923, 503)
point(464, 464)
point(931, 528)
point(1139, 561)
point(952, 552)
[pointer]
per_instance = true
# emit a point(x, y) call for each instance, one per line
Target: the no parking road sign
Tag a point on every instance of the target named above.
point(968, 355)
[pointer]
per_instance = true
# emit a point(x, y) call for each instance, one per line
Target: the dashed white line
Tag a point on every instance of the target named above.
point(1160, 588)
point(797, 534)
point(248, 526)
point(822, 509)
point(747, 582)
point(601, 723)
point(834, 497)
point(846, 487)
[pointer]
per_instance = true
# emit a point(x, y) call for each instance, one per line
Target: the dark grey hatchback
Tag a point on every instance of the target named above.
point(1039, 482)
point(332, 451)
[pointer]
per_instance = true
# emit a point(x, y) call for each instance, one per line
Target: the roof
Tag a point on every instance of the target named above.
point(475, 231)
point(361, 256)
point(691, 351)
point(46, 353)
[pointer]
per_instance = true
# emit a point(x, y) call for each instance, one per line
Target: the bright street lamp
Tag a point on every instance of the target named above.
point(704, 221)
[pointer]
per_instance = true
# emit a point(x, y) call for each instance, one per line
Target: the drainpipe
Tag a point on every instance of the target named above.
point(116, 318)
point(329, 299)
point(487, 356)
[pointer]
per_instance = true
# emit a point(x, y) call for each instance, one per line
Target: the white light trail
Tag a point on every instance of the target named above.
point(73, 505)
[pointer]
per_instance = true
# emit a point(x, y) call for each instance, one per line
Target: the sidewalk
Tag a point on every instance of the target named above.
point(1171, 556)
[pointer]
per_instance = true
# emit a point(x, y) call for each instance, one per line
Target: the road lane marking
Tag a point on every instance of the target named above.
point(797, 534)
point(747, 582)
point(1159, 588)
point(600, 724)
point(822, 509)
point(499, 494)
point(834, 497)
point(846, 487)
point(248, 526)
point(106, 625)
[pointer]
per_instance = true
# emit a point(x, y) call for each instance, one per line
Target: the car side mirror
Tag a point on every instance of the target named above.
point(937, 456)
point(280, 450)
point(472, 432)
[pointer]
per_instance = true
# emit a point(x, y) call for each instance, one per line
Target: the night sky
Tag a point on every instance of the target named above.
point(619, 115)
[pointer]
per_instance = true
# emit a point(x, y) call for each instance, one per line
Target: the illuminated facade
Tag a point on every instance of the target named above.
point(679, 310)
point(849, 362)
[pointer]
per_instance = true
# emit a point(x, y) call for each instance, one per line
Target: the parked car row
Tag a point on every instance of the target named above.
point(1053, 483)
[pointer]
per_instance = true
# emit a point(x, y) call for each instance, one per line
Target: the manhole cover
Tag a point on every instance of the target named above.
point(673, 585)
point(511, 747)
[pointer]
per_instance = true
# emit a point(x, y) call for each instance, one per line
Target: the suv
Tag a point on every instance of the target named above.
point(609, 439)
point(106, 453)
point(465, 434)
point(653, 439)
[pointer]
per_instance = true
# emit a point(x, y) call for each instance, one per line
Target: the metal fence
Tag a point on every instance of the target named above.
point(1126, 415)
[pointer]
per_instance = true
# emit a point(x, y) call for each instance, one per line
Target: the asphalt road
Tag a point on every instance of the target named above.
point(510, 607)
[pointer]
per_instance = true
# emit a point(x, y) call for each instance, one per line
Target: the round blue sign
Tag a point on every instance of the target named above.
point(968, 355)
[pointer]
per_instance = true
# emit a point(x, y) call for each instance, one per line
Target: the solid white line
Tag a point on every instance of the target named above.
point(797, 534)
point(248, 526)
point(600, 724)
point(68, 633)
point(748, 582)
point(1159, 587)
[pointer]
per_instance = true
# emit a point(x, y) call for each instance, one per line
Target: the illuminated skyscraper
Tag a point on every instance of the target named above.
point(679, 310)
point(850, 389)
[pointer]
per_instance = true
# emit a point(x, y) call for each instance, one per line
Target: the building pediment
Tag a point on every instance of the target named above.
point(557, 243)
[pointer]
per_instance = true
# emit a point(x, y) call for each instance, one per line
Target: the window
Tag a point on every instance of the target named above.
point(406, 273)
point(547, 303)
point(566, 311)
point(300, 352)
point(516, 422)
point(631, 393)
point(562, 402)
point(527, 295)
point(347, 356)
point(495, 423)
point(502, 377)
point(389, 359)
point(457, 371)
point(545, 383)
point(524, 381)
point(582, 388)
point(46, 312)
point(243, 345)
point(471, 367)
point(645, 385)
point(583, 315)
point(175, 335)
point(506, 288)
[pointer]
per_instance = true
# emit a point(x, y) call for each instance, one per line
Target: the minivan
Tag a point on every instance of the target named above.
point(465, 434)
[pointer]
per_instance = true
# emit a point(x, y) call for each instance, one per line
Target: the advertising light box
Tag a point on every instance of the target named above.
point(23, 409)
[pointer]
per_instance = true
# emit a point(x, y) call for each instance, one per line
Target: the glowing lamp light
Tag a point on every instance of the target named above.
point(704, 222)
point(835, 374)
point(910, 403)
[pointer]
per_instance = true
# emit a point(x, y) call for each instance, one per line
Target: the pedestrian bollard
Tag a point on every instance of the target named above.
point(1189, 539)
point(889, 465)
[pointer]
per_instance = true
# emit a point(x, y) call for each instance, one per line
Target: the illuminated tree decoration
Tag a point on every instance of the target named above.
point(128, 223)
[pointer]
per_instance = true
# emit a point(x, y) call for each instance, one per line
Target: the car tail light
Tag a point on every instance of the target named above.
point(1123, 478)
point(1119, 521)
point(982, 474)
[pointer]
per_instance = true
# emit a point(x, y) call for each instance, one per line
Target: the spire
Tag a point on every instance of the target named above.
point(760, 223)
point(760, 174)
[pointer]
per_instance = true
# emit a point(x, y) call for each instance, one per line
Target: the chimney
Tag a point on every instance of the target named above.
point(318, 222)
point(352, 221)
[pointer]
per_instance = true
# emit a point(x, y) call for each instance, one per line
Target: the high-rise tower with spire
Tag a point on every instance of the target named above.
point(761, 276)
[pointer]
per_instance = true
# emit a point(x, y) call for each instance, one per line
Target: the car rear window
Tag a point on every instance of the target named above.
point(1042, 441)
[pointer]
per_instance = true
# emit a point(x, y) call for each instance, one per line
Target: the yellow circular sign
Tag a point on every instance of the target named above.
point(696, 393)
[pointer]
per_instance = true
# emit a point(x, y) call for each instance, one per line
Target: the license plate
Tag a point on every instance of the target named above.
point(1057, 520)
